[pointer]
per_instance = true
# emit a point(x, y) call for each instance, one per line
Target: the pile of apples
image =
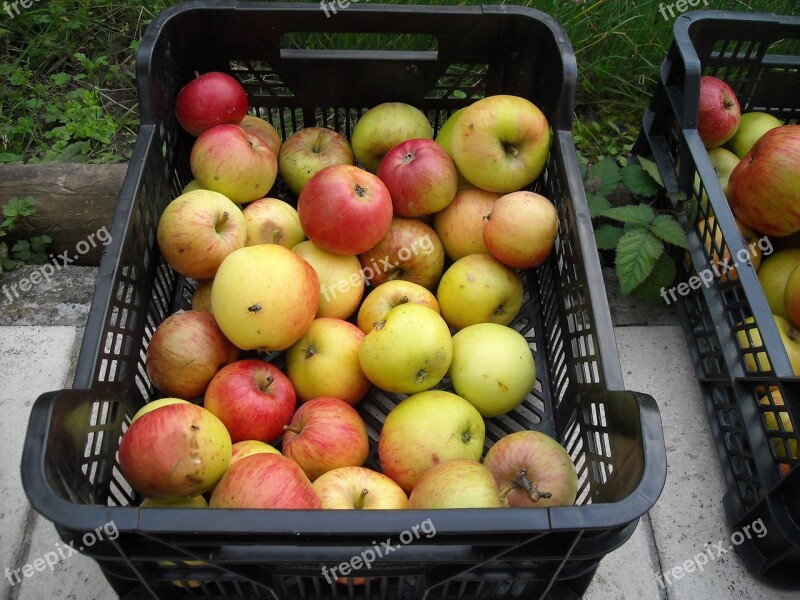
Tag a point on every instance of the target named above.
point(757, 160)
point(396, 274)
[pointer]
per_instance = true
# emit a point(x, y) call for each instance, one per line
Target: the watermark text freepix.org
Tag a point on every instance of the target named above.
point(329, 6)
point(9, 6)
point(681, 6)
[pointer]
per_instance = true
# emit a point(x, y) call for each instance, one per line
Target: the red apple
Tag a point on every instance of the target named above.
point(420, 176)
point(307, 151)
point(253, 398)
point(460, 224)
point(326, 433)
point(263, 129)
point(185, 352)
point(359, 488)
point(344, 209)
point(718, 112)
point(210, 99)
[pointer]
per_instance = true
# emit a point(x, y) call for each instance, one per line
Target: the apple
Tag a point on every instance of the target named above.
point(193, 502)
point(791, 297)
point(752, 342)
point(197, 230)
point(324, 434)
point(752, 125)
point(191, 186)
point(248, 447)
point(783, 447)
point(308, 151)
point(154, 404)
point(532, 469)
point(410, 250)
point(407, 351)
point(460, 224)
point(492, 368)
point(459, 483)
point(420, 176)
point(178, 451)
point(341, 282)
point(773, 275)
point(500, 143)
point(201, 297)
point(265, 480)
point(263, 129)
point(384, 126)
point(479, 289)
point(723, 161)
point(264, 297)
point(444, 137)
point(724, 266)
point(389, 294)
point(359, 488)
point(344, 209)
point(324, 362)
point(765, 185)
point(272, 221)
point(229, 160)
point(718, 112)
point(253, 398)
point(521, 229)
point(185, 352)
point(210, 99)
point(426, 429)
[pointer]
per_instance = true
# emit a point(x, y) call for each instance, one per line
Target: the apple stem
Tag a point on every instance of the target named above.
point(404, 300)
point(522, 481)
point(292, 428)
point(197, 73)
point(361, 498)
point(222, 221)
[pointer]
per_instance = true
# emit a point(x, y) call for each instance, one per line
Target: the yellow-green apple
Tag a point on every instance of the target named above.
point(718, 112)
point(234, 162)
point(341, 282)
point(773, 274)
point(248, 447)
point(272, 221)
point(344, 209)
point(210, 99)
point(478, 288)
point(409, 250)
point(724, 266)
point(384, 126)
point(458, 483)
point(253, 398)
point(308, 151)
point(521, 229)
point(324, 434)
point(724, 162)
point(263, 129)
point(185, 352)
point(426, 429)
point(178, 451)
point(264, 297)
point(765, 185)
point(460, 224)
point(154, 404)
point(492, 368)
point(407, 351)
point(784, 448)
point(324, 362)
point(500, 143)
point(359, 488)
point(192, 185)
point(420, 176)
point(264, 480)
point(443, 138)
point(389, 294)
point(193, 502)
point(198, 230)
point(532, 469)
point(752, 125)
point(201, 297)
point(749, 340)
point(791, 297)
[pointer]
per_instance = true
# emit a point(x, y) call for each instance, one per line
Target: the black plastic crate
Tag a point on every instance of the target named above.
point(70, 469)
point(758, 55)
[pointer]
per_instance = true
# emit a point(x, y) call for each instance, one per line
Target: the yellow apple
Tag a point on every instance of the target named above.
point(154, 405)
point(789, 336)
point(791, 298)
point(384, 126)
point(460, 224)
point(341, 281)
point(264, 130)
point(774, 273)
point(359, 488)
point(389, 294)
point(248, 447)
point(201, 298)
point(272, 221)
point(194, 502)
point(781, 445)
point(724, 266)
point(459, 483)
point(443, 139)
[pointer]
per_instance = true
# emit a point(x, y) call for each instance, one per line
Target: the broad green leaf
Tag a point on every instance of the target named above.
point(39, 243)
point(597, 205)
point(606, 236)
point(669, 230)
point(639, 182)
point(637, 253)
point(651, 169)
point(660, 278)
point(638, 214)
point(608, 173)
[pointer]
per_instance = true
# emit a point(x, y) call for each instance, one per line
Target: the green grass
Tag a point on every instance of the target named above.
point(67, 89)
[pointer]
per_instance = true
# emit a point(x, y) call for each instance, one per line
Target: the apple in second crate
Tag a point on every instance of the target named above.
point(253, 398)
point(755, 359)
point(460, 224)
point(263, 129)
point(324, 434)
point(479, 289)
point(359, 488)
point(459, 483)
point(426, 429)
point(272, 221)
point(185, 352)
point(718, 112)
point(408, 351)
point(201, 297)
point(197, 230)
point(791, 297)
point(233, 162)
point(783, 447)
point(210, 99)
point(384, 126)
point(501, 143)
point(324, 362)
point(532, 469)
point(773, 274)
point(344, 209)
point(193, 502)
point(264, 297)
point(724, 162)
point(341, 282)
point(410, 250)
point(724, 266)
point(389, 294)
point(492, 368)
point(308, 151)
point(752, 125)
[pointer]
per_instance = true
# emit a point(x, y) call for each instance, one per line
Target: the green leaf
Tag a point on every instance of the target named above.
point(597, 205)
point(669, 230)
point(9, 157)
point(608, 173)
point(21, 250)
point(39, 243)
point(651, 169)
point(637, 253)
point(661, 277)
point(638, 214)
point(607, 236)
point(636, 179)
